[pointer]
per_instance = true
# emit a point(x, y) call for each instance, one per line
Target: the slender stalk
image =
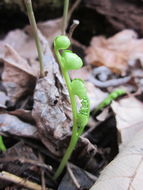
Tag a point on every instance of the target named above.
point(35, 32)
point(2, 145)
point(67, 155)
point(74, 137)
point(65, 16)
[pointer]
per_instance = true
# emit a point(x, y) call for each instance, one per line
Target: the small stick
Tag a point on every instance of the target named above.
point(20, 181)
point(42, 173)
point(73, 27)
point(75, 5)
point(29, 161)
point(73, 177)
point(65, 16)
point(35, 32)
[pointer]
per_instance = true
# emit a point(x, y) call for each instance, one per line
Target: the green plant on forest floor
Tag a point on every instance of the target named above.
point(112, 96)
point(70, 61)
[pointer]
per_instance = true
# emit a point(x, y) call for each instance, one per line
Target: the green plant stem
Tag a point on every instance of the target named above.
point(2, 145)
point(35, 32)
point(67, 155)
point(74, 137)
point(65, 16)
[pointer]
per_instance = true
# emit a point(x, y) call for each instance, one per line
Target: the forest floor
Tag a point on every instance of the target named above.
point(35, 113)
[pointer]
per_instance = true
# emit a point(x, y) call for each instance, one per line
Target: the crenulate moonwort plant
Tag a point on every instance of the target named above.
point(70, 61)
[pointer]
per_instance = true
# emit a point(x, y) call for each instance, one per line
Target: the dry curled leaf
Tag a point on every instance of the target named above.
point(116, 52)
point(125, 171)
point(128, 116)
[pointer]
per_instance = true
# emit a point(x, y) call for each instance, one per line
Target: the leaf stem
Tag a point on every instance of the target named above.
point(65, 16)
point(35, 32)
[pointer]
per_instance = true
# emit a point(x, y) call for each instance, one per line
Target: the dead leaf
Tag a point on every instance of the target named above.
point(76, 178)
point(115, 52)
point(17, 76)
point(25, 48)
point(125, 171)
point(11, 57)
point(96, 96)
point(19, 151)
point(129, 117)
point(51, 110)
point(103, 115)
point(50, 29)
point(3, 99)
point(12, 125)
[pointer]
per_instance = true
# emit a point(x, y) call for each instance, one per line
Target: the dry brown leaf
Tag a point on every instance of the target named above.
point(125, 172)
point(12, 125)
point(9, 56)
point(50, 29)
point(96, 96)
point(17, 76)
point(115, 52)
point(129, 117)
point(23, 43)
point(51, 110)
point(3, 99)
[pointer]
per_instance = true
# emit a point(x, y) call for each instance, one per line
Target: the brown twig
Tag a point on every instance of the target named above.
point(24, 160)
point(75, 5)
point(20, 181)
point(73, 177)
point(73, 27)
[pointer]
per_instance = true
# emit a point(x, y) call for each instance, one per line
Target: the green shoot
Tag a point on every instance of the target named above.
point(70, 61)
point(2, 145)
point(112, 96)
point(35, 32)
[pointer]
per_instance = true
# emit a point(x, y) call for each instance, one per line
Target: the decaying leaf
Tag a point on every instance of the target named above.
point(51, 110)
point(116, 52)
point(10, 161)
point(129, 117)
point(76, 178)
point(50, 29)
point(125, 171)
point(96, 96)
point(17, 76)
point(3, 99)
point(11, 125)
point(25, 43)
